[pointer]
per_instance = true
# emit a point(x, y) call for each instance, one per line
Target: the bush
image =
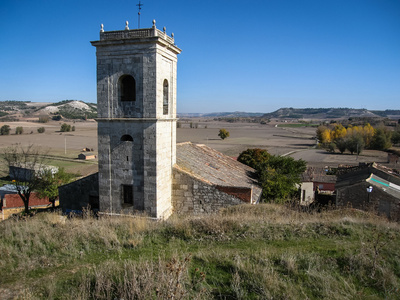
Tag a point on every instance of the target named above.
point(41, 129)
point(254, 157)
point(73, 128)
point(341, 145)
point(43, 119)
point(65, 127)
point(223, 133)
point(331, 147)
point(19, 130)
point(396, 136)
point(381, 139)
point(277, 175)
point(5, 130)
point(56, 118)
point(355, 144)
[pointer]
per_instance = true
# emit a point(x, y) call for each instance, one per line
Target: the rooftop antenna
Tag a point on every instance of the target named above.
point(140, 7)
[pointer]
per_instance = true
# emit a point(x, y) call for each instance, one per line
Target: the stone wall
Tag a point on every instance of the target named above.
point(356, 196)
point(307, 192)
point(193, 196)
point(122, 162)
point(164, 169)
point(146, 162)
point(79, 194)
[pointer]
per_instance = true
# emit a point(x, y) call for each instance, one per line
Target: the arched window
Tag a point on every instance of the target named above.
point(126, 138)
point(165, 97)
point(127, 88)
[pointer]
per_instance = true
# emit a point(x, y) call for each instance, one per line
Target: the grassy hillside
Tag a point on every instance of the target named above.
point(245, 252)
point(319, 113)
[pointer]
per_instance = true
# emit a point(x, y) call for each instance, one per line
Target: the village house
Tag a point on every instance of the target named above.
point(86, 156)
point(316, 181)
point(369, 187)
point(26, 174)
point(11, 203)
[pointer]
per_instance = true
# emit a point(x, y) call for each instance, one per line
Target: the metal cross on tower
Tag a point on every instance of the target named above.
point(140, 7)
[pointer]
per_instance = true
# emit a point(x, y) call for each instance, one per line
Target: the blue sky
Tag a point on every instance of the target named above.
point(254, 56)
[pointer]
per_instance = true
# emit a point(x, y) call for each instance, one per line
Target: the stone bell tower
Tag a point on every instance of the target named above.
point(136, 98)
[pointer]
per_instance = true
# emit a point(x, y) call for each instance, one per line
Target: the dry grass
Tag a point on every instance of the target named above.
point(244, 252)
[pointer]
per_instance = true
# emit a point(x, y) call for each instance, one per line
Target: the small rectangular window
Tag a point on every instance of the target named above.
point(127, 194)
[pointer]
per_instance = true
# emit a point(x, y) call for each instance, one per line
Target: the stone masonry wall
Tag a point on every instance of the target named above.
point(146, 162)
point(76, 195)
point(194, 196)
point(121, 163)
point(356, 196)
point(164, 169)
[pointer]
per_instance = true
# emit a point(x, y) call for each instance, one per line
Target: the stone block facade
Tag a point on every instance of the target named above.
point(194, 196)
point(383, 184)
point(356, 196)
point(80, 194)
point(137, 133)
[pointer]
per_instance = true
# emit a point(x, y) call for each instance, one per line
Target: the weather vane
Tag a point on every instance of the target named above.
point(140, 7)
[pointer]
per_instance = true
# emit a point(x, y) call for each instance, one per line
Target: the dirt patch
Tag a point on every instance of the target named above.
point(296, 142)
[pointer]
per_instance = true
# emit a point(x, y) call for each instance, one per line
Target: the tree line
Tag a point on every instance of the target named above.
point(6, 129)
point(356, 138)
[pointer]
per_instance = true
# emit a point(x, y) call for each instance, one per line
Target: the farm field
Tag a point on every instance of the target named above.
point(298, 142)
point(62, 147)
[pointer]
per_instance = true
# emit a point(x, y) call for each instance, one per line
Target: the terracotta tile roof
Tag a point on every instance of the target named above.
point(213, 167)
point(315, 174)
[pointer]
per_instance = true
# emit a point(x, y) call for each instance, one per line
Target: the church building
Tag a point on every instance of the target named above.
point(140, 169)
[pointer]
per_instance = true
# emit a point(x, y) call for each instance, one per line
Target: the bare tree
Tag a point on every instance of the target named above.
point(25, 165)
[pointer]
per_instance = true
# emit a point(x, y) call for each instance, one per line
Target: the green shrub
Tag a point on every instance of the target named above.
point(19, 130)
point(223, 133)
point(41, 129)
point(43, 119)
point(5, 130)
point(65, 127)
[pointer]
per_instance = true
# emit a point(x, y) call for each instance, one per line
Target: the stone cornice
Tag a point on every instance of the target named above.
point(137, 36)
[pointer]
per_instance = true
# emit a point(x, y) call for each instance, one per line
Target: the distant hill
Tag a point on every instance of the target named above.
point(303, 113)
point(76, 109)
point(69, 109)
point(329, 113)
point(236, 114)
point(389, 113)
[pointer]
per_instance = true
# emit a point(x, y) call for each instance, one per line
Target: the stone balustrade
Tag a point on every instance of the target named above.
point(135, 34)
